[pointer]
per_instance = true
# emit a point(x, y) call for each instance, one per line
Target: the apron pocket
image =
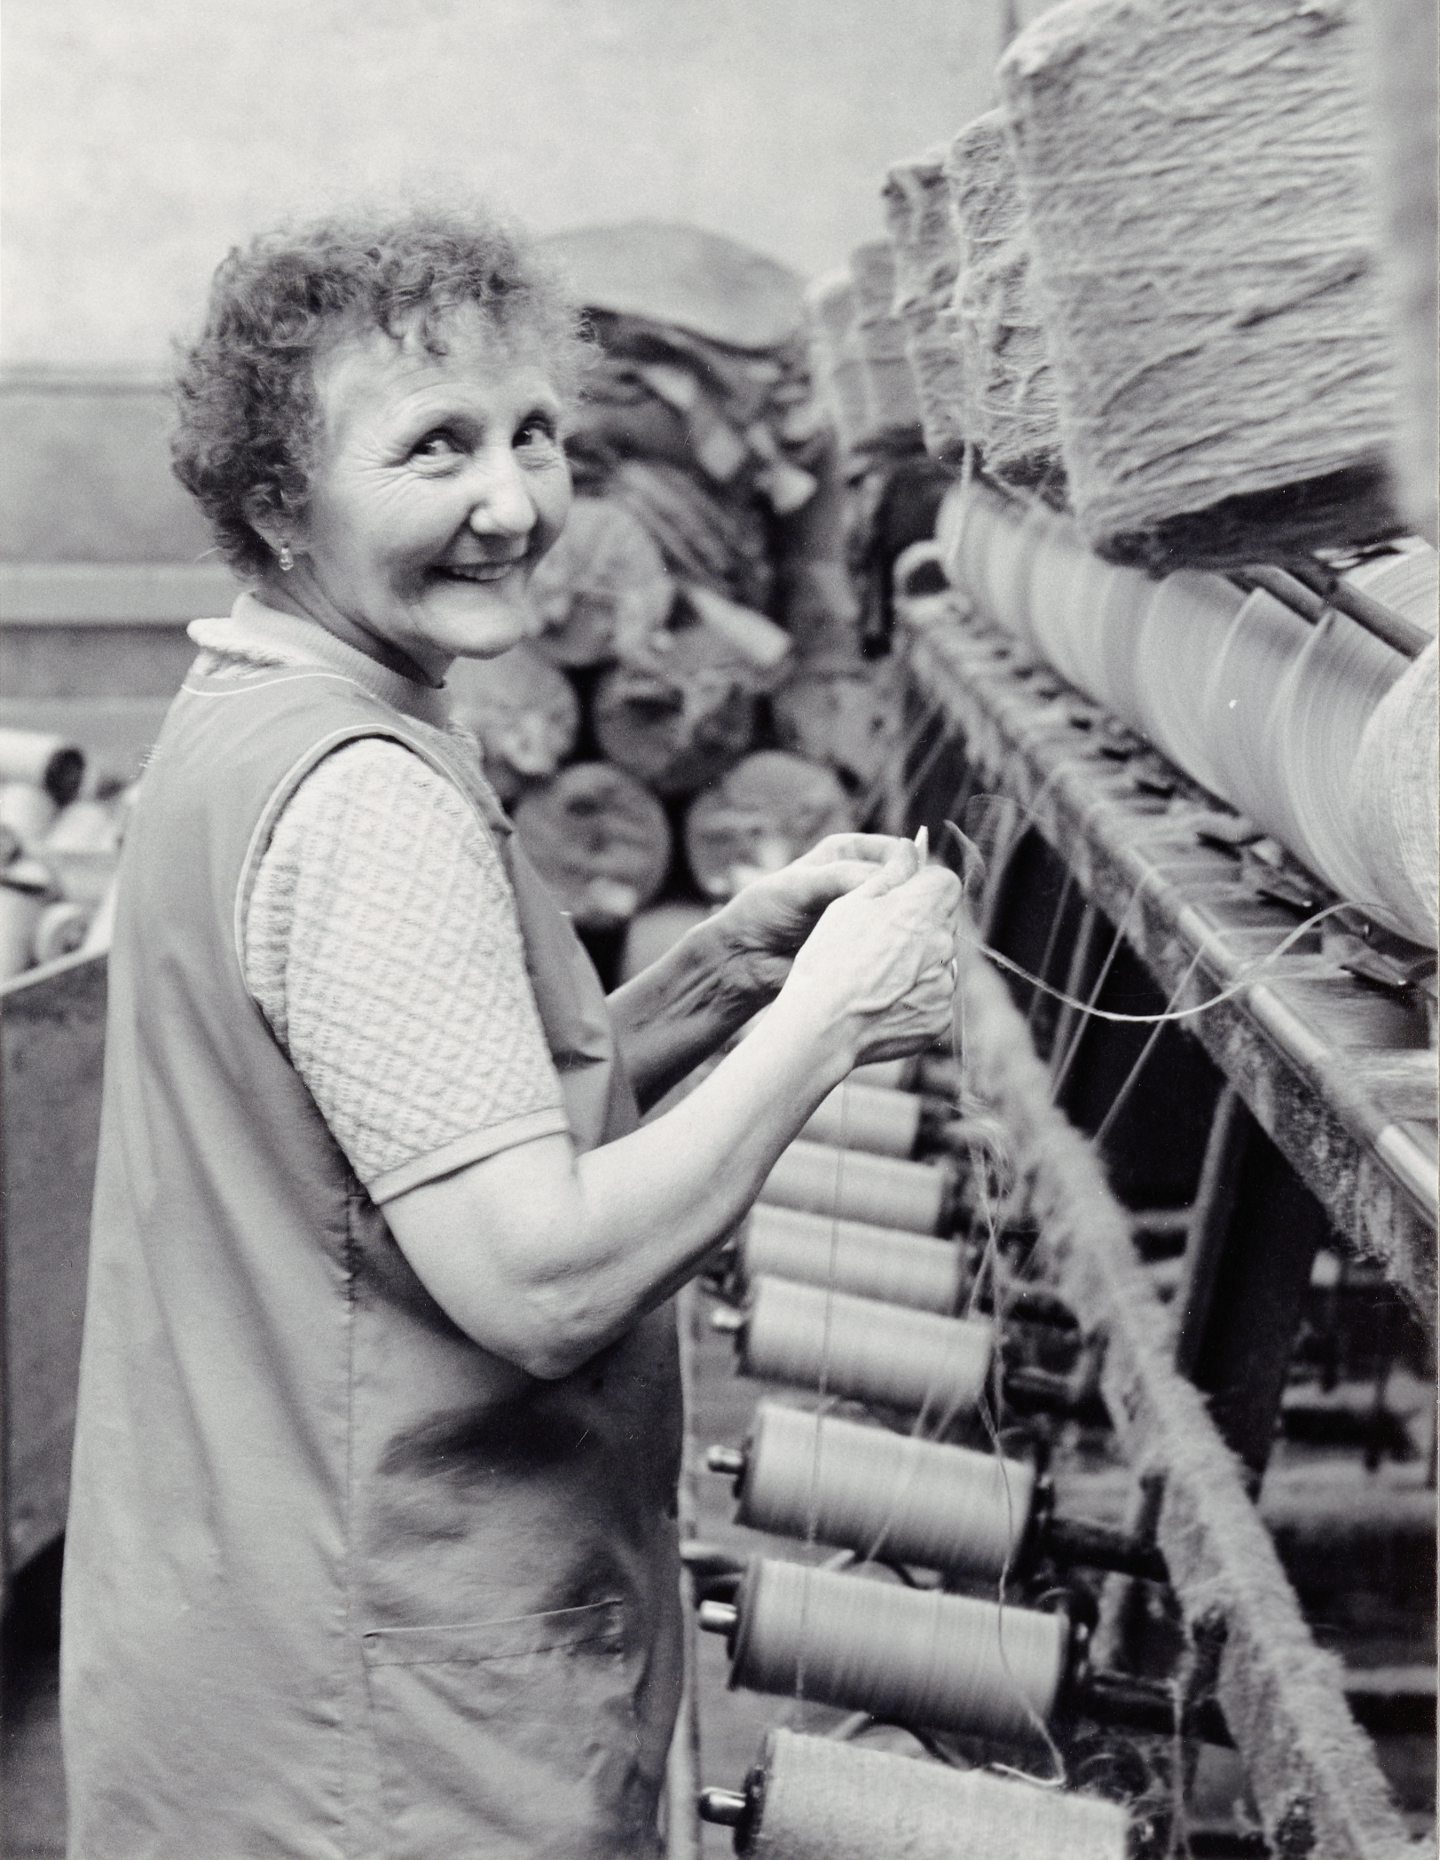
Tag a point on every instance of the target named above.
point(509, 1738)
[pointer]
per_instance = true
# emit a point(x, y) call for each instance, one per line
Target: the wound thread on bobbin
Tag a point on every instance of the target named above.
point(811, 1798)
point(909, 1656)
point(821, 1179)
point(858, 1347)
point(858, 1257)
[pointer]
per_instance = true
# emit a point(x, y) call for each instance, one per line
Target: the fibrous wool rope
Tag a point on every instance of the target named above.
point(1009, 408)
point(823, 1800)
point(1195, 180)
point(916, 199)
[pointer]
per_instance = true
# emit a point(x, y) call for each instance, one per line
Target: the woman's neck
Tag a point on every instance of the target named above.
point(295, 594)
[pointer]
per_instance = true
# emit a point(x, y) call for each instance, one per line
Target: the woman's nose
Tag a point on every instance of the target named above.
point(500, 502)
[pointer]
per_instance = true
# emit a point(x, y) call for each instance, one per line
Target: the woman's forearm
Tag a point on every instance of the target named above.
point(680, 1010)
point(544, 1257)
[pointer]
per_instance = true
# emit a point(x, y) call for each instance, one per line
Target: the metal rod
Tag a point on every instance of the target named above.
point(1405, 635)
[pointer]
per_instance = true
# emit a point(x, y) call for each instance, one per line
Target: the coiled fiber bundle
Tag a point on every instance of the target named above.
point(835, 355)
point(1401, 69)
point(1009, 409)
point(916, 198)
point(823, 1800)
point(1195, 180)
point(889, 385)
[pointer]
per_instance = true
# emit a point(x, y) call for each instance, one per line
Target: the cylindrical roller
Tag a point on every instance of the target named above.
point(21, 908)
point(599, 840)
point(42, 761)
point(858, 1347)
point(883, 1494)
point(27, 810)
point(852, 1256)
point(854, 1187)
point(524, 711)
point(60, 930)
point(814, 1798)
point(769, 809)
point(955, 1663)
point(868, 1117)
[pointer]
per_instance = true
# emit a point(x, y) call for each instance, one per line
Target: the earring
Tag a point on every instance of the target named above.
point(285, 558)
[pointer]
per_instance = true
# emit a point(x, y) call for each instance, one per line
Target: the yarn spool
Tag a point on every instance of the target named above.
point(1400, 72)
point(24, 896)
point(841, 715)
point(809, 1336)
point(523, 710)
point(1180, 638)
point(916, 200)
point(883, 1495)
point(1238, 705)
point(813, 1798)
point(987, 552)
point(767, 810)
point(909, 1656)
point(42, 761)
point(683, 713)
point(880, 336)
point(1395, 818)
point(601, 590)
point(870, 1118)
point(835, 349)
point(1009, 409)
point(60, 930)
point(858, 1257)
point(27, 811)
point(823, 1180)
point(1333, 689)
point(599, 840)
point(1232, 344)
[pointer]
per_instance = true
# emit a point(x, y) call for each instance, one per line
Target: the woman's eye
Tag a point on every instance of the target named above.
point(538, 430)
point(436, 446)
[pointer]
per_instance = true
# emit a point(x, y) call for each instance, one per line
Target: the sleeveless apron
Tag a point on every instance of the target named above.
point(338, 1582)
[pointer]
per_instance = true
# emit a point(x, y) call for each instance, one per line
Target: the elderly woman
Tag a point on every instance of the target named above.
point(372, 1544)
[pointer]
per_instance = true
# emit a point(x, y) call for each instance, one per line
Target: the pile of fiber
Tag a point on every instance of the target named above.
point(890, 392)
point(1196, 178)
point(921, 223)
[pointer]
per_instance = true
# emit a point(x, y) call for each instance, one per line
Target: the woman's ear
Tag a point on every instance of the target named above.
point(274, 528)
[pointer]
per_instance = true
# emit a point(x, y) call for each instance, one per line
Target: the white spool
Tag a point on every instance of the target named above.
point(884, 1495)
point(858, 1257)
point(824, 1800)
point(1237, 708)
point(909, 1656)
point(1396, 818)
point(42, 761)
point(60, 930)
point(1179, 640)
point(856, 1187)
point(868, 1117)
point(807, 1335)
point(27, 810)
point(20, 912)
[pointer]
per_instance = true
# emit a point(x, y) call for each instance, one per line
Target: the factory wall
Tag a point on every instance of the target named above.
point(140, 140)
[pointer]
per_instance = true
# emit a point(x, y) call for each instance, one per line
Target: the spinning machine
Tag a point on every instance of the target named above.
point(1085, 1504)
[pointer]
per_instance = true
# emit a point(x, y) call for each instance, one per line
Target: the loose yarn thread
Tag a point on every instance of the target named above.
point(1194, 176)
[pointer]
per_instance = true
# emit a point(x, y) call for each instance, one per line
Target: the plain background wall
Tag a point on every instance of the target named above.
point(142, 137)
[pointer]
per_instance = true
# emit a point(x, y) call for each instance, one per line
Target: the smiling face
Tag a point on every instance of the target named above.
point(440, 482)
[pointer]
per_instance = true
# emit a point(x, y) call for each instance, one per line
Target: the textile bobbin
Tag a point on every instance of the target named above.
point(919, 1196)
point(1232, 345)
point(599, 839)
point(971, 1665)
point(889, 386)
point(42, 760)
point(835, 355)
point(885, 1123)
point(883, 1263)
point(812, 1337)
point(1009, 408)
point(900, 1499)
point(916, 200)
point(524, 712)
point(812, 1798)
point(767, 810)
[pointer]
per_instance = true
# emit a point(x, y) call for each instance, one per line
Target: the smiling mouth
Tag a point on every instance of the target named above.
point(482, 571)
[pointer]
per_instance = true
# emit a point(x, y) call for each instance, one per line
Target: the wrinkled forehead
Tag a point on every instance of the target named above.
point(365, 371)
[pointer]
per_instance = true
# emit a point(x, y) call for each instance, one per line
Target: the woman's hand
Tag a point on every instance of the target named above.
point(766, 922)
point(881, 959)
